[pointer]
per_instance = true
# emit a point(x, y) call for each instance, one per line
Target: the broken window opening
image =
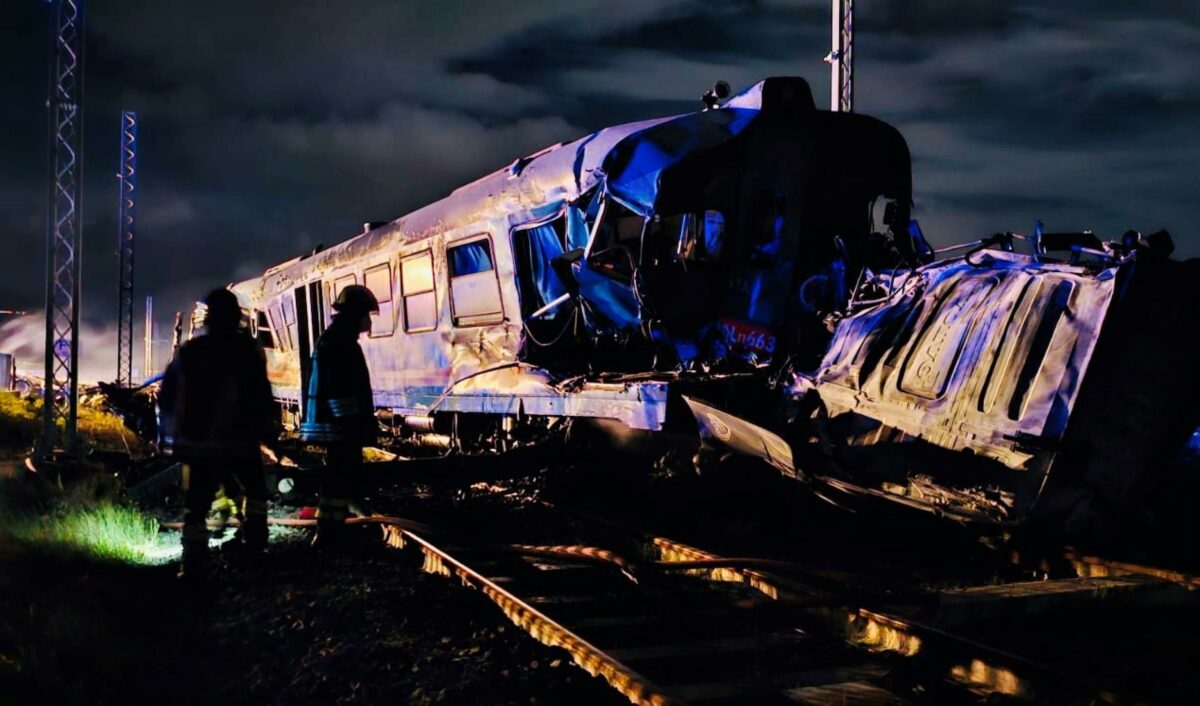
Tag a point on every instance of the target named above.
point(615, 249)
point(616, 226)
point(538, 284)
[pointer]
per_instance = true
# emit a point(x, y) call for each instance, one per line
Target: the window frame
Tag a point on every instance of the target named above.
point(482, 236)
point(287, 306)
point(335, 288)
point(391, 287)
point(278, 327)
point(404, 295)
point(262, 323)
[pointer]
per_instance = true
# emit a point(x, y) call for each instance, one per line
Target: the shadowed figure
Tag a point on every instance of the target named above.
point(215, 408)
point(340, 411)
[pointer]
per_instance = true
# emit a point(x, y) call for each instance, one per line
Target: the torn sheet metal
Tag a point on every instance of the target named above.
point(636, 163)
point(983, 357)
point(742, 436)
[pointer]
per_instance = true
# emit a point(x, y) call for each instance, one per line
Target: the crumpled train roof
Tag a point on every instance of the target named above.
point(634, 153)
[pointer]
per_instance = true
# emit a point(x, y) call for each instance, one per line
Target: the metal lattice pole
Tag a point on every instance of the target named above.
point(64, 231)
point(126, 220)
point(148, 352)
point(841, 57)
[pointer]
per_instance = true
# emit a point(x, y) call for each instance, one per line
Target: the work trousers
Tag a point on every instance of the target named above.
point(341, 480)
point(201, 479)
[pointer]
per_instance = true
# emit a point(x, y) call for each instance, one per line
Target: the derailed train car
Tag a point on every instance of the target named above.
point(703, 260)
point(599, 279)
point(999, 386)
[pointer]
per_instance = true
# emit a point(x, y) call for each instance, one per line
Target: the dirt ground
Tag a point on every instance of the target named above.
point(295, 628)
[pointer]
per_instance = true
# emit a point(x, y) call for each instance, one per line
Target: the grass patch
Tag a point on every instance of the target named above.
point(89, 519)
point(106, 531)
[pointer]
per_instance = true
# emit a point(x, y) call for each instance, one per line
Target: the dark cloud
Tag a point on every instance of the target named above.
point(270, 127)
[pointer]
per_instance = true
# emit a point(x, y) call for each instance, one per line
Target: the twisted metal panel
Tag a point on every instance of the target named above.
point(126, 219)
point(64, 236)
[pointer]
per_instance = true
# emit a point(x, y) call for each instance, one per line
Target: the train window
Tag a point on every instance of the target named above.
point(470, 258)
point(275, 313)
point(534, 250)
point(617, 239)
point(379, 281)
point(474, 289)
point(263, 331)
point(289, 319)
point(416, 288)
point(341, 283)
point(690, 237)
point(618, 225)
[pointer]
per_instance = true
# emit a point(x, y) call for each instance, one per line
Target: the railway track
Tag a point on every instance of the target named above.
point(663, 637)
point(664, 622)
point(679, 625)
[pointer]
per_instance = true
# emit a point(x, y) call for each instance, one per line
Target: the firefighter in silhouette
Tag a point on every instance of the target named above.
point(215, 409)
point(340, 412)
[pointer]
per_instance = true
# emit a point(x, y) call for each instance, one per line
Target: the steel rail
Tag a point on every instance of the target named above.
point(982, 666)
point(637, 688)
point(978, 665)
point(968, 663)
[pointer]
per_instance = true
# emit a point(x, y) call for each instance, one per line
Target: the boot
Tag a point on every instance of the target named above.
point(253, 533)
point(194, 567)
point(331, 524)
point(331, 537)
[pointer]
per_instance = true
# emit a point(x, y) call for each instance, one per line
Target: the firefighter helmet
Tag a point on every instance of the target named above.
point(356, 299)
point(221, 308)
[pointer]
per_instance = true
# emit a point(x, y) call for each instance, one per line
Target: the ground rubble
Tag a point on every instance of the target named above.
point(295, 626)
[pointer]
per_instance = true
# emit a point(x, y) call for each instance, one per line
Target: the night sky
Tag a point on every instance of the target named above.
point(269, 127)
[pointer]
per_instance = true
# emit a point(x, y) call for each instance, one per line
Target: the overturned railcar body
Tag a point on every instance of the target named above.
point(595, 279)
point(987, 387)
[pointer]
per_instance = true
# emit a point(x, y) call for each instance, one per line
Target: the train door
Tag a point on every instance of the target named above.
point(310, 324)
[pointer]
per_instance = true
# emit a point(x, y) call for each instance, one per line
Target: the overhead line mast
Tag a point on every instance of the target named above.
point(841, 58)
point(64, 237)
point(126, 230)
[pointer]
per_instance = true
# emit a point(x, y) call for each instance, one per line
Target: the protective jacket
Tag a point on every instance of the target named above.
point(340, 407)
point(215, 400)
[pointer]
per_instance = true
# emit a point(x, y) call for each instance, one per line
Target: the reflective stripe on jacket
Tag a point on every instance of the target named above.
point(340, 406)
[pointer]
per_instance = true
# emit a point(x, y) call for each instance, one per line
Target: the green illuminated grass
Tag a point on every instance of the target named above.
point(87, 518)
point(105, 531)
